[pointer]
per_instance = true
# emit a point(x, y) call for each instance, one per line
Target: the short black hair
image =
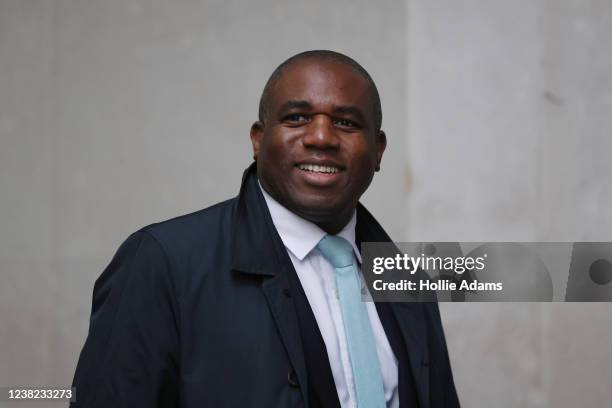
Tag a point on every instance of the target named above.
point(322, 55)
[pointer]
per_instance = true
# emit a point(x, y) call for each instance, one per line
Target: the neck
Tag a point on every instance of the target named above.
point(335, 225)
point(330, 222)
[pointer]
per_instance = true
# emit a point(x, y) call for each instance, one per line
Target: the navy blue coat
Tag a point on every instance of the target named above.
point(195, 312)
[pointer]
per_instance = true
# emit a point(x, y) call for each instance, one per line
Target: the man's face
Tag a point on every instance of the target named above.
point(318, 148)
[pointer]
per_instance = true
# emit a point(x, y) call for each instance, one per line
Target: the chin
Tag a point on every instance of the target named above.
point(319, 211)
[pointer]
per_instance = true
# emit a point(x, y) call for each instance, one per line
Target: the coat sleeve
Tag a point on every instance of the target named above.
point(130, 357)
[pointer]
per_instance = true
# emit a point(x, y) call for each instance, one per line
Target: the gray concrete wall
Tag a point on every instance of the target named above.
point(509, 139)
point(117, 114)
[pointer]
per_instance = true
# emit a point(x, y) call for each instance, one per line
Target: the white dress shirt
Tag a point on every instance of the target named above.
point(317, 277)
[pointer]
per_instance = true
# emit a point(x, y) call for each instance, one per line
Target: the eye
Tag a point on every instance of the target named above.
point(295, 118)
point(345, 123)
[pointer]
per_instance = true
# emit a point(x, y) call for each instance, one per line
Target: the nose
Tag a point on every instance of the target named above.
point(320, 133)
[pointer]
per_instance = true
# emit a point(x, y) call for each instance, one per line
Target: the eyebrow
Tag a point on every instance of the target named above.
point(290, 105)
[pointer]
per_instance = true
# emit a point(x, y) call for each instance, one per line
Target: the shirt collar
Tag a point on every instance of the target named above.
point(299, 235)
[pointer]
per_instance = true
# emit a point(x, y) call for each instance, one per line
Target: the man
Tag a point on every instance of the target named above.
point(256, 301)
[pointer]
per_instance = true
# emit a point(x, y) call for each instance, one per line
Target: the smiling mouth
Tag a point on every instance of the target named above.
point(316, 168)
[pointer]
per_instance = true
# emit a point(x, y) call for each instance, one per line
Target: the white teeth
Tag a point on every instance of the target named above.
point(319, 169)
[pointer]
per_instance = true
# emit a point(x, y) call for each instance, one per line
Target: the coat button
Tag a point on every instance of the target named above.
point(292, 379)
point(287, 292)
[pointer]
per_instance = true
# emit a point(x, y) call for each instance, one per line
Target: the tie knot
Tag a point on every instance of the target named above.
point(337, 250)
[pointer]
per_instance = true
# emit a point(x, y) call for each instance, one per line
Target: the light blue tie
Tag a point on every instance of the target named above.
point(359, 337)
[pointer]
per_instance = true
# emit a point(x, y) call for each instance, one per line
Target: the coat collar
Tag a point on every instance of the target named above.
point(254, 239)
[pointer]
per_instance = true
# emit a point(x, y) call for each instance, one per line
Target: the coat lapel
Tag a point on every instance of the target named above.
point(411, 320)
point(286, 321)
point(256, 248)
point(410, 315)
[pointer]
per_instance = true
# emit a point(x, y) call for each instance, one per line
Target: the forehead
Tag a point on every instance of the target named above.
point(322, 83)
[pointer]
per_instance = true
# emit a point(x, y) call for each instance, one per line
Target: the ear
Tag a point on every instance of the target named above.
point(381, 144)
point(257, 130)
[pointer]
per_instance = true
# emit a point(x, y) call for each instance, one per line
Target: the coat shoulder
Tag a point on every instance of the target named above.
point(198, 230)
